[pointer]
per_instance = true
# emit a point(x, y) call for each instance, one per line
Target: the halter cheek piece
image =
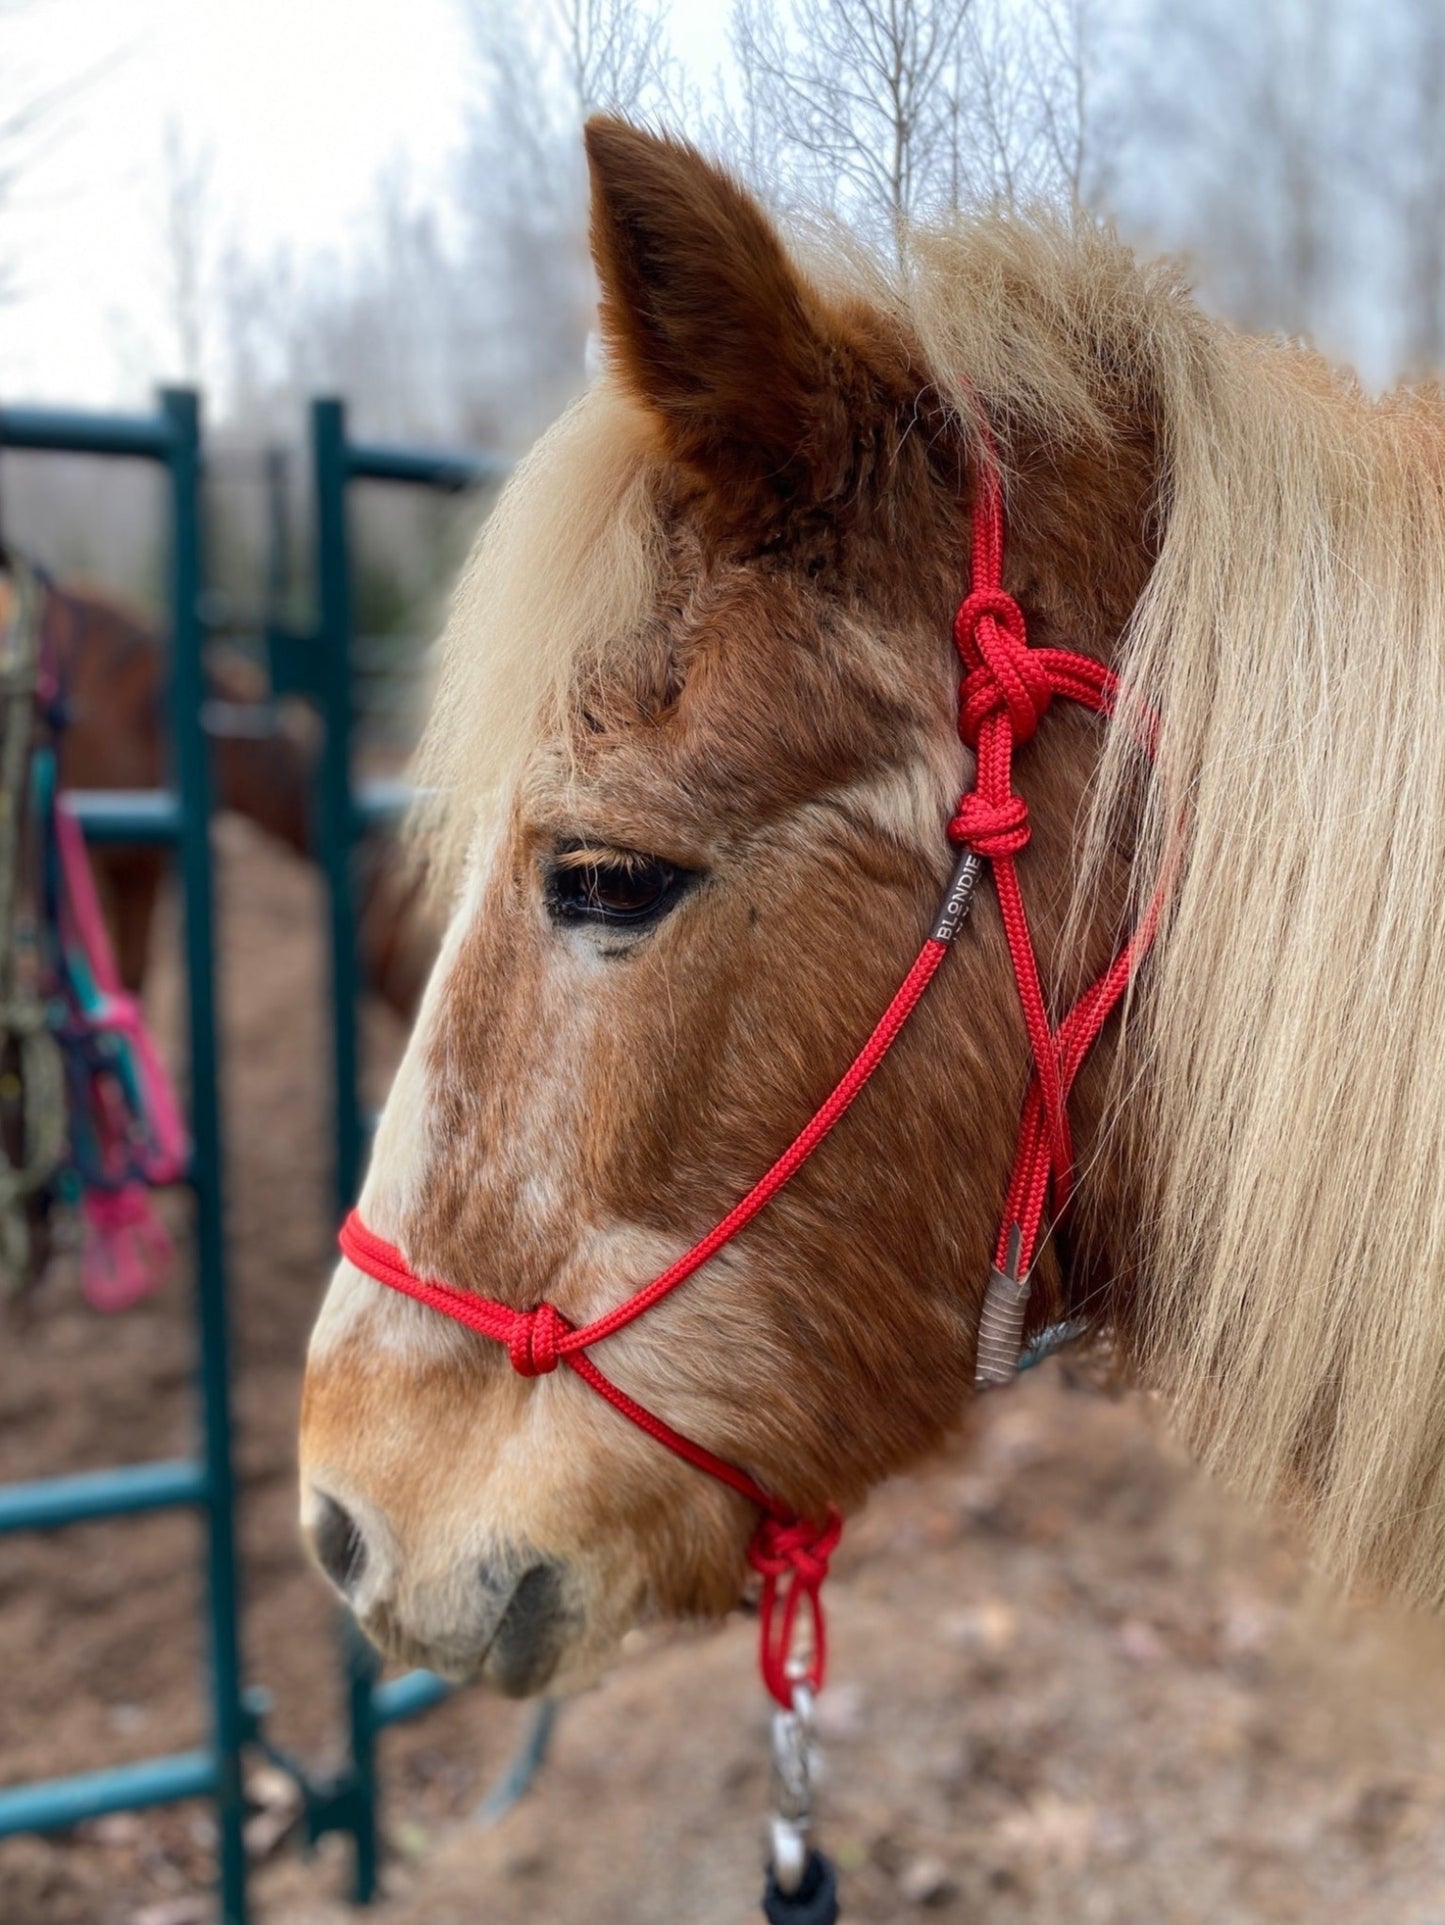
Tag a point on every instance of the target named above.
point(1006, 687)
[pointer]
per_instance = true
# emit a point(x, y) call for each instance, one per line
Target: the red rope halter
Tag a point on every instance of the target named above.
point(1007, 688)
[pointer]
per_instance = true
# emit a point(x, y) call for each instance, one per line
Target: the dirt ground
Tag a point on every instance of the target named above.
point(1069, 1681)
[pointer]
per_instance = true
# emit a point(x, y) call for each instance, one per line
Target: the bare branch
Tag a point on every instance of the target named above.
point(187, 170)
point(32, 108)
point(886, 110)
point(525, 299)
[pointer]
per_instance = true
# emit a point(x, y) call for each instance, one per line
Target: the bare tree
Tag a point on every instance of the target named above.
point(375, 326)
point(525, 296)
point(1070, 48)
point(615, 54)
point(188, 227)
point(1414, 178)
point(1249, 115)
point(34, 104)
point(1294, 148)
point(888, 110)
point(859, 100)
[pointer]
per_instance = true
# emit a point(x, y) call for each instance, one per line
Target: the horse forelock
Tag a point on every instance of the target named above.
point(563, 574)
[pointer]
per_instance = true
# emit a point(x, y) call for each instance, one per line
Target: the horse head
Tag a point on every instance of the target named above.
point(697, 742)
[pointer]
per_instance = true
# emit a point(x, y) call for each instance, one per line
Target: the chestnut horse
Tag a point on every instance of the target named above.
point(696, 746)
point(111, 668)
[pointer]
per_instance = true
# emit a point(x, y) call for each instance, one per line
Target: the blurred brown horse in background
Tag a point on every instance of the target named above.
point(111, 668)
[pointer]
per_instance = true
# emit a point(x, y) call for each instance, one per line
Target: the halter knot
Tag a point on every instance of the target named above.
point(798, 1546)
point(791, 1555)
point(1004, 673)
point(534, 1343)
point(991, 829)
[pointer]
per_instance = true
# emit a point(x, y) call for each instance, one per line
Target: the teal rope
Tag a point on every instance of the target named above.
point(1050, 1341)
point(24, 1028)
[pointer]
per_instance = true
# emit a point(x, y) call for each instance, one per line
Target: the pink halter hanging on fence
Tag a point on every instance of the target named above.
point(126, 1134)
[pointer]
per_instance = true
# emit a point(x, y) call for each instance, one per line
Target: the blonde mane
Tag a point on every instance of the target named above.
point(1292, 1044)
point(1283, 1075)
point(1281, 1089)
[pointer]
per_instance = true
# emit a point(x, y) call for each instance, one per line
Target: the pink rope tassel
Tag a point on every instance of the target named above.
point(128, 1252)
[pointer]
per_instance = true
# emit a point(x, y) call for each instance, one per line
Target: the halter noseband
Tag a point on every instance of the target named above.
point(1006, 689)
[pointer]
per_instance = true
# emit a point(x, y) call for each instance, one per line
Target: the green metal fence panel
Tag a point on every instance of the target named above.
point(143, 437)
point(448, 472)
point(320, 664)
point(129, 815)
point(180, 818)
point(331, 471)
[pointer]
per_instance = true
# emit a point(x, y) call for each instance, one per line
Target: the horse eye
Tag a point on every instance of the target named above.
point(624, 888)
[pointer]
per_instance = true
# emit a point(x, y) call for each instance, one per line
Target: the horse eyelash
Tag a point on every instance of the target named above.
point(597, 856)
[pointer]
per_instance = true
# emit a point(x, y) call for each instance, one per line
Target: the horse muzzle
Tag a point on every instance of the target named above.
point(508, 1619)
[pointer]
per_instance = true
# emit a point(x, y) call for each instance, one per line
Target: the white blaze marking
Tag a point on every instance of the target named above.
point(397, 1166)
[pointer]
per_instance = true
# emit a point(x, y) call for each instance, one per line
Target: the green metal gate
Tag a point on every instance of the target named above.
point(178, 817)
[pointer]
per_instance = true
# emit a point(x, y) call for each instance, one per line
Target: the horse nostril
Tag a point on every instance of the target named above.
point(535, 1626)
point(340, 1547)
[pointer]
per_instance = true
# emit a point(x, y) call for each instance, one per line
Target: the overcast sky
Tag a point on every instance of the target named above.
point(304, 104)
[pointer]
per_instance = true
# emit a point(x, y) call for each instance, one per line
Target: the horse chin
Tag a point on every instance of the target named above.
point(504, 1667)
point(542, 1639)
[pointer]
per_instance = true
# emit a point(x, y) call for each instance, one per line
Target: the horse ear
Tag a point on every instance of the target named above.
point(708, 320)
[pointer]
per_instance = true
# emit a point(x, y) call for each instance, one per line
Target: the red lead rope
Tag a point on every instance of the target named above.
point(1007, 688)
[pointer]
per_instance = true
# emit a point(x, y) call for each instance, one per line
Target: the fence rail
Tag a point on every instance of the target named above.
point(48, 1502)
